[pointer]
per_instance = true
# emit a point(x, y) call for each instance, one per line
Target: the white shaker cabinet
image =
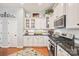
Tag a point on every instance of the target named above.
point(12, 33)
point(51, 25)
point(61, 52)
point(0, 33)
point(0, 26)
point(4, 33)
point(35, 41)
point(72, 15)
point(35, 23)
point(40, 23)
point(28, 41)
point(59, 10)
point(12, 40)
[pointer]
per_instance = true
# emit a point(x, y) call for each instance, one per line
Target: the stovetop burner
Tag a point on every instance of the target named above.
point(66, 42)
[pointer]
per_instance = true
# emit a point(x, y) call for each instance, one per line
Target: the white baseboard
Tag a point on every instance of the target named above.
point(19, 46)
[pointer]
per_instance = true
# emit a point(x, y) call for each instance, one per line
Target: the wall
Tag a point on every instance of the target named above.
point(20, 27)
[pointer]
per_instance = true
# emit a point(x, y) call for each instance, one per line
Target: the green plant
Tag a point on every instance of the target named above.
point(49, 11)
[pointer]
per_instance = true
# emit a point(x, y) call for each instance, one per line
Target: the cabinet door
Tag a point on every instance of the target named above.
point(12, 26)
point(36, 41)
point(41, 41)
point(51, 24)
point(12, 40)
point(0, 33)
point(61, 51)
point(37, 23)
point(72, 15)
point(60, 9)
point(26, 40)
point(0, 40)
point(4, 33)
point(31, 41)
point(46, 38)
point(12, 33)
point(0, 26)
point(77, 21)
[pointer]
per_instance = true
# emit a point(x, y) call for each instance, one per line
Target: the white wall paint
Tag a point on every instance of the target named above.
point(20, 27)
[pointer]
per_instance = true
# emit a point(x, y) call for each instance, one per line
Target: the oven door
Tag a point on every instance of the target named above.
point(52, 48)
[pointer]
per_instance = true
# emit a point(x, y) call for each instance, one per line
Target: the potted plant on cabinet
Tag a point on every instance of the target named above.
point(49, 11)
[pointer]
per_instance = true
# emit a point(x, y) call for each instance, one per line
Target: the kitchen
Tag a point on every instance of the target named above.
point(39, 29)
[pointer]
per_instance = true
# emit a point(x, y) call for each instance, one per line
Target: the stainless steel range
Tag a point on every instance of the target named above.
point(53, 47)
point(66, 40)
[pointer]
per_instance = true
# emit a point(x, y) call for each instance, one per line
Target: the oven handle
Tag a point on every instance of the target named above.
point(52, 43)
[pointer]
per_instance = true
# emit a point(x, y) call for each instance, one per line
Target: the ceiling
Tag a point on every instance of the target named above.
point(37, 7)
point(29, 7)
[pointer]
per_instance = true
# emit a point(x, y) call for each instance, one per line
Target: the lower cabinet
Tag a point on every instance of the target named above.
point(61, 52)
point(35, 41)
point(12, 40)
point(0, 41)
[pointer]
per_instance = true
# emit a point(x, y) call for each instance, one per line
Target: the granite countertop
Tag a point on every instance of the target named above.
point(33, 34)
point(72, 53)
point(37, 35)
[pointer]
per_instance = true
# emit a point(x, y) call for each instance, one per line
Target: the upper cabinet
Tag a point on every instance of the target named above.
point(72, 15)
point(35, 21)
point(71, 10)
point(29, 23)
point(59, 10)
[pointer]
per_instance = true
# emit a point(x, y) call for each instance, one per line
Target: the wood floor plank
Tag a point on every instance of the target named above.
point(42, 50)
point(8, 51)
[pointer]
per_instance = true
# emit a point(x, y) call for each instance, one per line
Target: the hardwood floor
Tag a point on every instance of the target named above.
point(42, 50)
point(7, 51)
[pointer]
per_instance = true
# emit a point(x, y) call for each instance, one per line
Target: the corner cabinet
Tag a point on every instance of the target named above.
point(72, 15)
point(61, 52)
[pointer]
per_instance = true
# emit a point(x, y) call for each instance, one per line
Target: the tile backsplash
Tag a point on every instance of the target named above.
point(71, 31)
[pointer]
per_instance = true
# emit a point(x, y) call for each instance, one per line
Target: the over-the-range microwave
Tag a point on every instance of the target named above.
point(60, 22)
